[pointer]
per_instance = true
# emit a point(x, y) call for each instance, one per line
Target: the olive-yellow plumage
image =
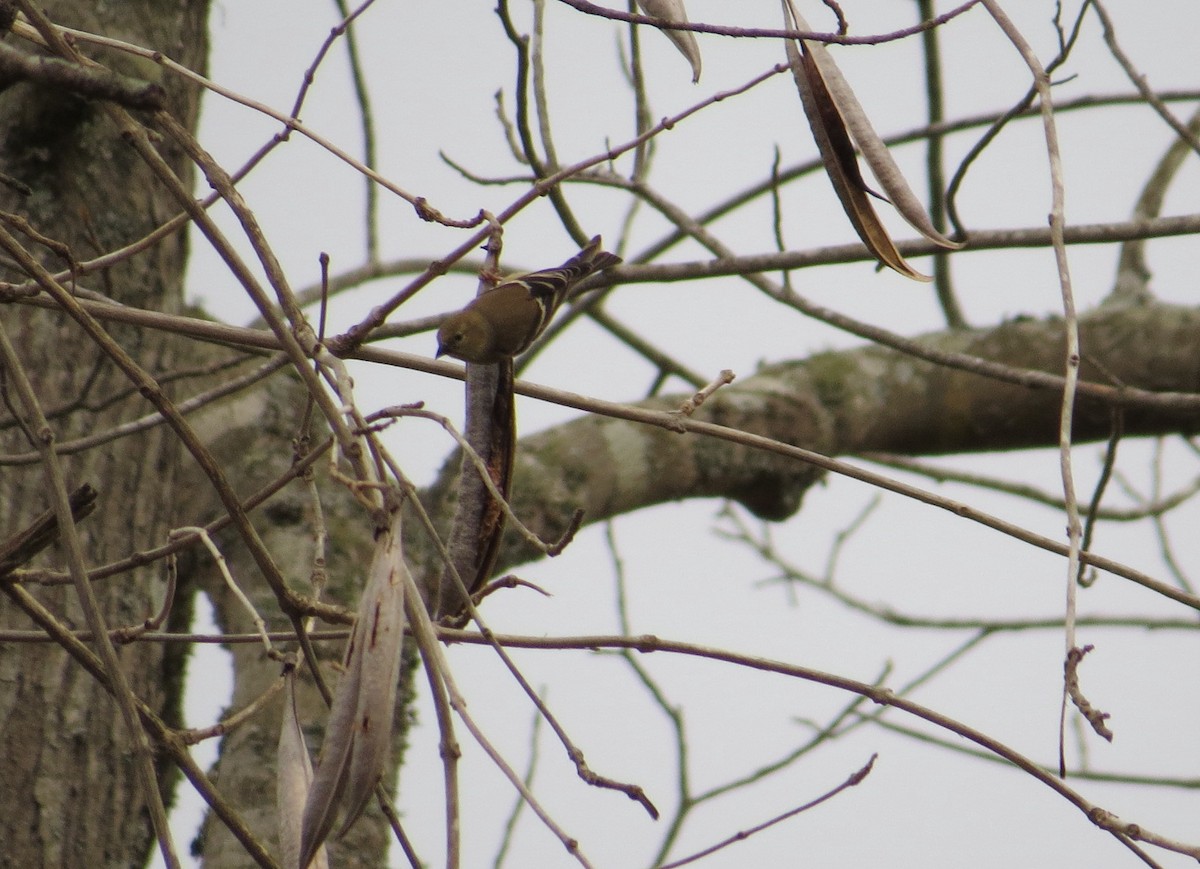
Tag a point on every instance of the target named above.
point(505, 320)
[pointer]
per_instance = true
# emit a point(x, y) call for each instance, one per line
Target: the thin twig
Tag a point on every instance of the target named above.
point(767, 32)
point(650, 644)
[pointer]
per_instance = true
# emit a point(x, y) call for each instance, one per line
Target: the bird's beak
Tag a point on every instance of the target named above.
point(440, 351)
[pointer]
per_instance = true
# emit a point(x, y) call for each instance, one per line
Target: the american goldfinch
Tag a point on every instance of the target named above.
point(503, 321)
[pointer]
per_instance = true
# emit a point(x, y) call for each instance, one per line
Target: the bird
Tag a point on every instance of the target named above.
point(503, 321)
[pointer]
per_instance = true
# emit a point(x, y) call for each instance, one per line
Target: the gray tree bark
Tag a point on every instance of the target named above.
point(70, 794)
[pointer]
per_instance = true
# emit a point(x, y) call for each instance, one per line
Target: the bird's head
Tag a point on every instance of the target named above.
point(465, 335)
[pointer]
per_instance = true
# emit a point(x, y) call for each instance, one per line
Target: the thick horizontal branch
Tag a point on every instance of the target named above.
point(851, 402)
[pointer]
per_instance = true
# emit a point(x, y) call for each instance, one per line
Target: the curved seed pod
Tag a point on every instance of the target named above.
point(685, 40)
point(837, 153)
point(358, 736)
point(383, 610)
point(293, 780)
point(878, 158)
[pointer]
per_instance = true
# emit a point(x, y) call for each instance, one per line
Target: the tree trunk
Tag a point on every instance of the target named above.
point(71, 796)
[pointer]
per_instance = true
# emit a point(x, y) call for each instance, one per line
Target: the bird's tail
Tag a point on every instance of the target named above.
point(591, 259)
point(554, 283)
